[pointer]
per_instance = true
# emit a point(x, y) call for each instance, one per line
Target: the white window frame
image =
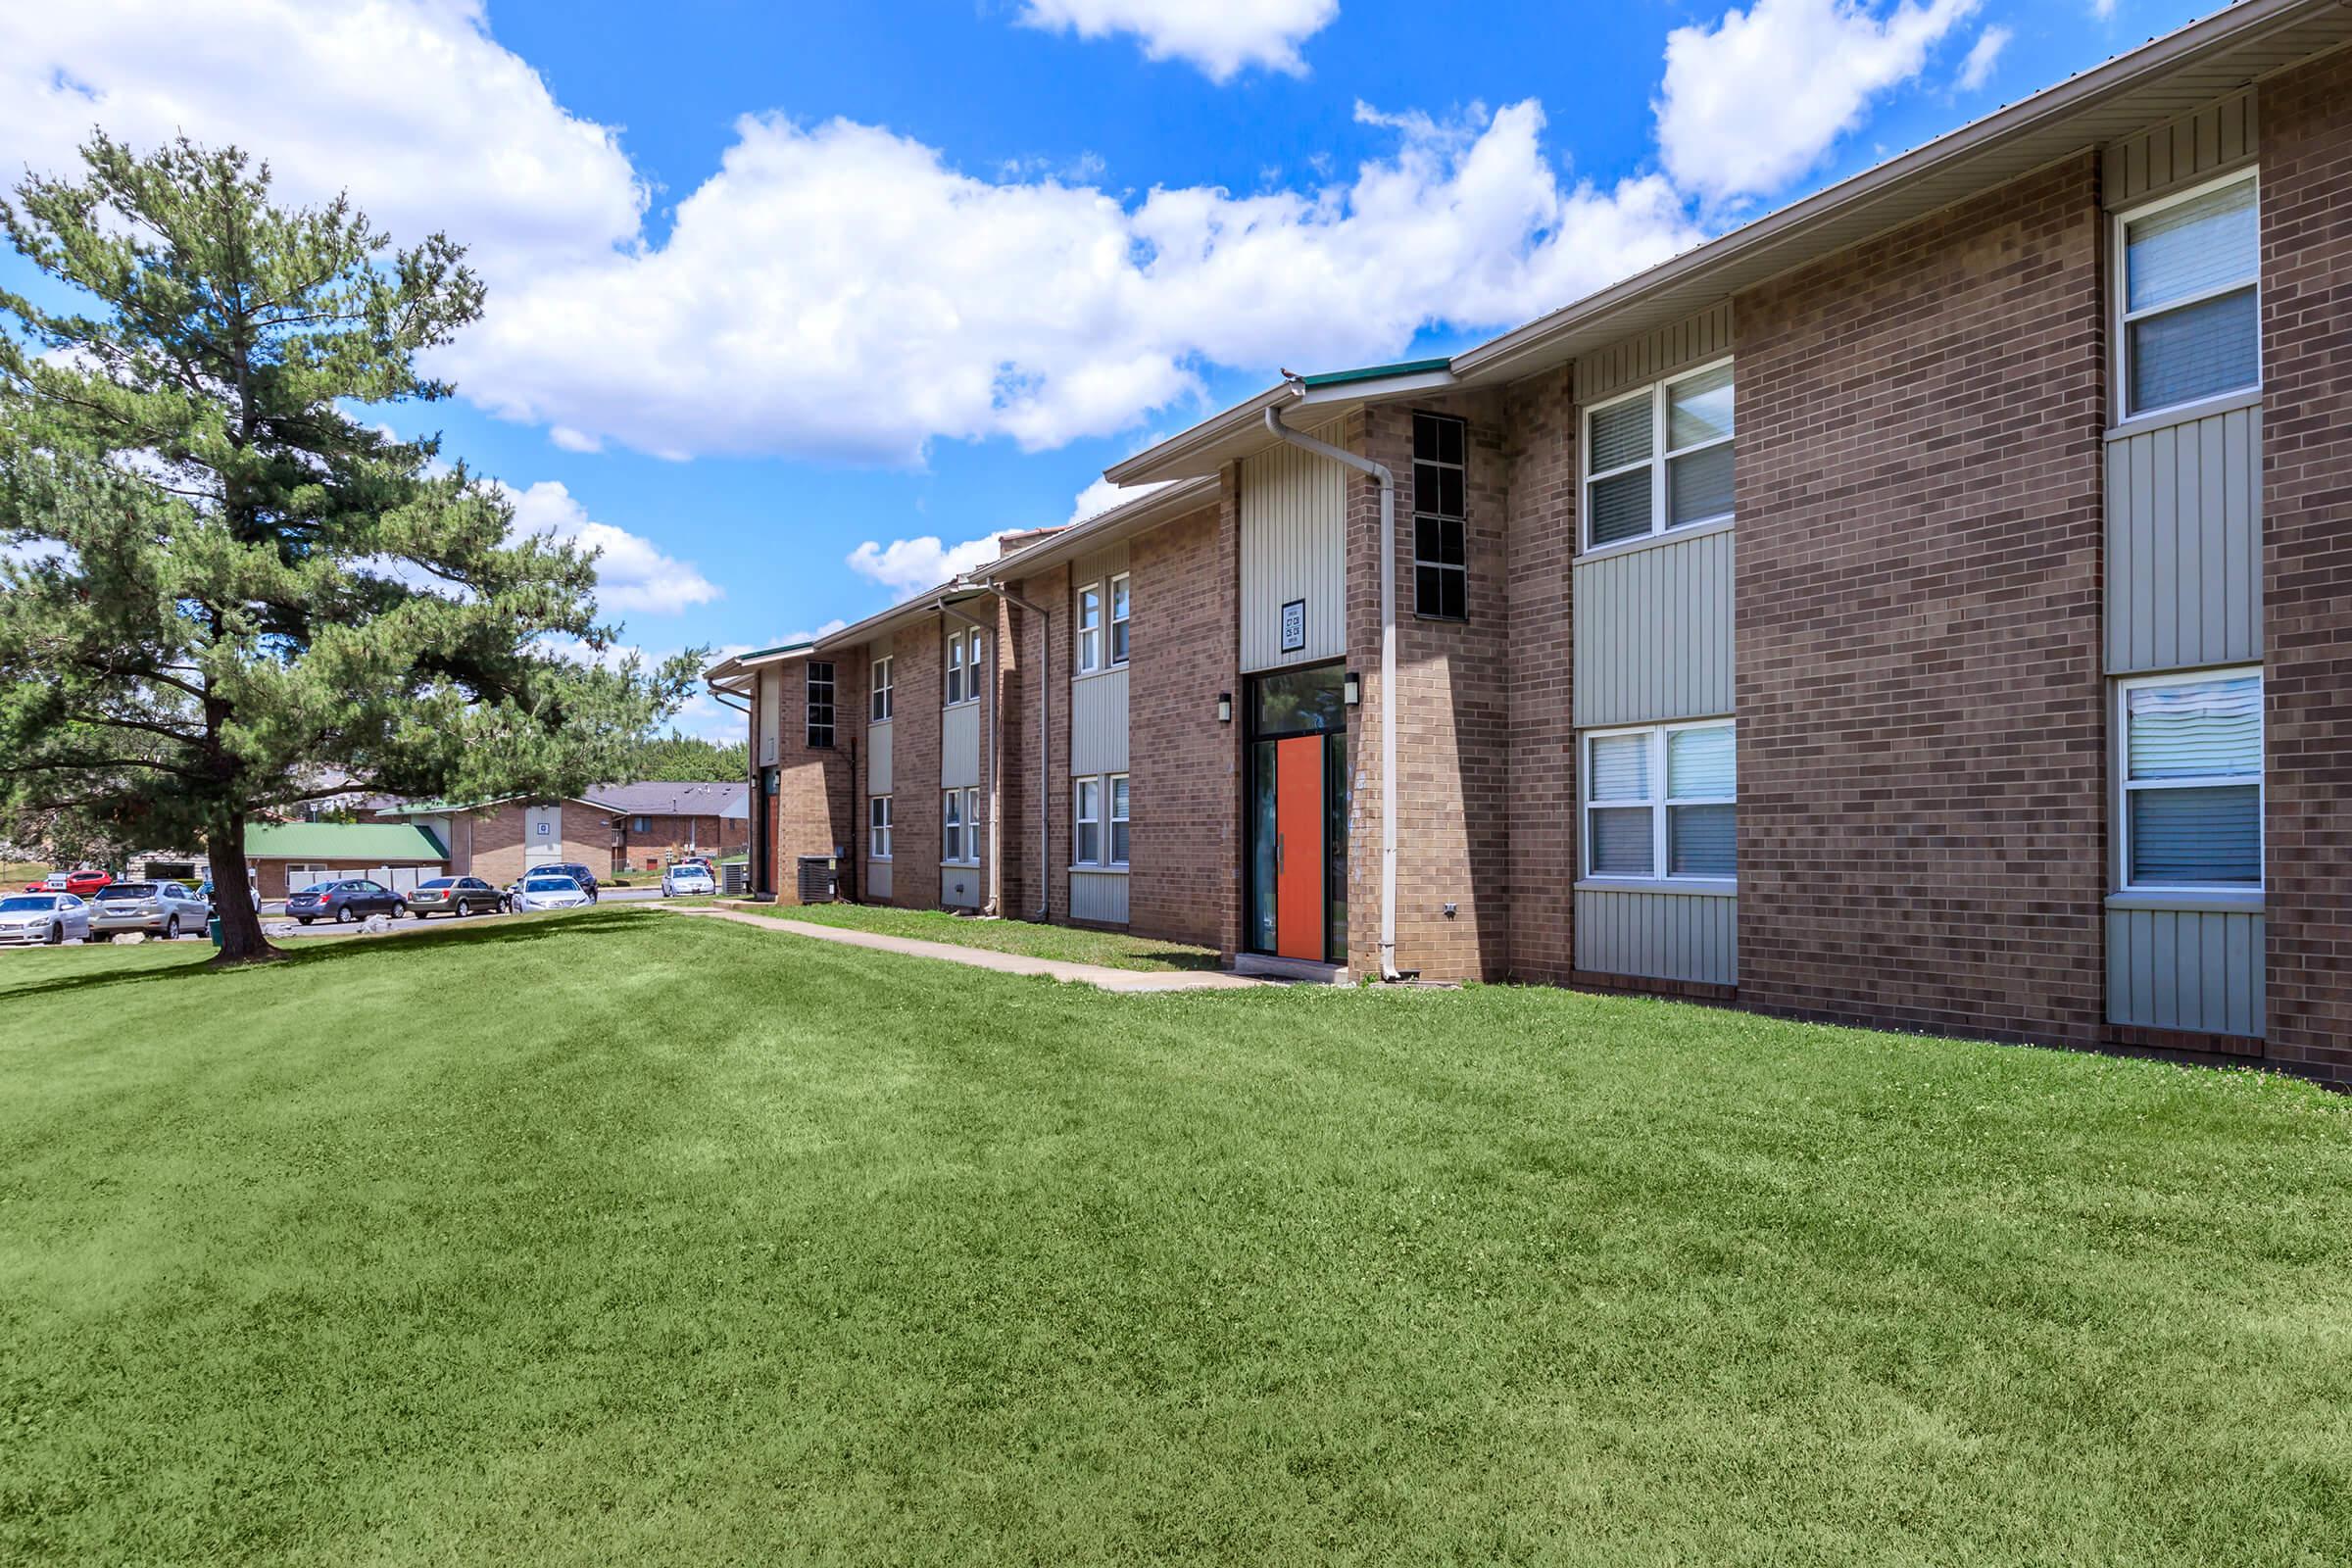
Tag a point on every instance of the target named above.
point(878, 827)
point(1120, 617)
point(1661, 501)
point(1658, 802)
point(808, 718)
point(2127, 785)
point(1091, 601)
point(2119, 290)
point(1117, 804)
point(882, 695)
point(955, 693)
point(950, 827)
point(1086, 813)
point(967, 657)
point(961, 806)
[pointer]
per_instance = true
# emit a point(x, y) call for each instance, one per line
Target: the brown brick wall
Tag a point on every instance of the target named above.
point(1922, 766)
point(815, 809)
point(1539, 547)
point(499, 852)
point(1452, 733)
point(1184, 781)
point(666, 838)
point(2307, 565)
point(1050, 591)
point(914, 765)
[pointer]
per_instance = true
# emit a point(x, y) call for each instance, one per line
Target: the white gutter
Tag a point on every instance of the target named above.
point(1044, 745)
point(1387, 672)
point(996, 771)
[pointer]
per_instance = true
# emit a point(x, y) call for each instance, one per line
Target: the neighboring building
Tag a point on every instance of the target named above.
point(658, 824)
point(287, 857)
point(499, 841)
point(1926, 605)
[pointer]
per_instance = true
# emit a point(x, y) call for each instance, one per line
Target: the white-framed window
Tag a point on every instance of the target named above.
point(954, 669)
point(1661, 802)
point(878, 827)
point(1441, 503)
point(1119, 606)
point(1118, 819)
point(1087, 845)
point(881, 691)
point(641, 824)
point(1659, 459)
point(1090, 628)
point(959, 827)
point(2189, 296)
point(2191, 780)
point(965, 666)
point(821, 704)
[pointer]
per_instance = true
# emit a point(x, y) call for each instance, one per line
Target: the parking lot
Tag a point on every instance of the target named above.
point(277, 926)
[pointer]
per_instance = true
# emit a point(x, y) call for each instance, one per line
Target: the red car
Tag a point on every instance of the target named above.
point(82, 884)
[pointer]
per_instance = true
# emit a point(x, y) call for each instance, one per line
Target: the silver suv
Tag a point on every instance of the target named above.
point(166, 910)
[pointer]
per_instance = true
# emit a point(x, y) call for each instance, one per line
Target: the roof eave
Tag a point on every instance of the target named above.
point(1176, 498)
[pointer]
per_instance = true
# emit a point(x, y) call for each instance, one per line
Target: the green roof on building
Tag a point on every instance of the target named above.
point(375, 842)
point(1375, 372)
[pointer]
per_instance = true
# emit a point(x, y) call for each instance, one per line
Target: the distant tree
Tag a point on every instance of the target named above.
point(218, 582)
point(677, 757)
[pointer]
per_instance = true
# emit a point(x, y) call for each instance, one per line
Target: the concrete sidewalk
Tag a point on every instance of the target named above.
point(1123, 981)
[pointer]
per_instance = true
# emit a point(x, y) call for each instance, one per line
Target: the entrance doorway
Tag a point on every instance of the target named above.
point(1298, 816)
point(542, 835)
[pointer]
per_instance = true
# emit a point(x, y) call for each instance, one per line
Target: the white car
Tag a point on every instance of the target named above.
point(50, 917)
point(547, 890)
point(692, 877)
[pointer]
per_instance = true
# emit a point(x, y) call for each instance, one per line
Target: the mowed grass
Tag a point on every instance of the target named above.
point(618, 1238)
point(1116, 949)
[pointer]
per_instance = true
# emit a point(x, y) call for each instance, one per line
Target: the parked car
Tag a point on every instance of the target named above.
point(456, 896)
point(204, 891)
point(551, 890)
point(163, 908)
point(51, 917)
point(354, 898)
point(82, 884)
point(574, 871)
point(688, 877)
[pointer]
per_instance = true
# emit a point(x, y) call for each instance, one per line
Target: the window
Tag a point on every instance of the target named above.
point(1441, 564)
point(821, 704)
point(963, 667)
point(1659, 459)
point(1118, 819)
point(1119, 619)
point(1089, 628)
point(878, 827)
point(880, 711)
point(959, 836)
point(1661, 798)
point(641, 824)
point(2189, 297)
point(2193, 781)
point(1089, 842)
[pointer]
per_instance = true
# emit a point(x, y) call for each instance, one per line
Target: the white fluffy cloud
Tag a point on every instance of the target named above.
point(1756, 101)
point(1220, 36)
point(411, 103)
point(911, 565)
point(1982, 56)
point(630, 574)
point(840, 290)
point(1100, 496)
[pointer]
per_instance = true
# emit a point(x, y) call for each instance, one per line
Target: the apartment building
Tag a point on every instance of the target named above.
point(1928, 606)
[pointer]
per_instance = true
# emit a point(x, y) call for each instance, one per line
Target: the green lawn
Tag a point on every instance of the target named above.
point(1114, 948)
point(618, 1239)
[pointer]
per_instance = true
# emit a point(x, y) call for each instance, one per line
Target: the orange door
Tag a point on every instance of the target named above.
point(1299, 848)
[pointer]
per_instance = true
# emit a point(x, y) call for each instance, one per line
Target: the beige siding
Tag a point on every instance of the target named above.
point(961, 887)
point(959, 746)
point(1098, 723)
point(1100, 896)
point(877, 882)
point(877, 758)
point(1659, 936)
point(2184, 969)
point(1653, 632)
point(2182, 152)
point(1294, 546)
point(2184, 544)
point(1627, 365)
point(769, 708)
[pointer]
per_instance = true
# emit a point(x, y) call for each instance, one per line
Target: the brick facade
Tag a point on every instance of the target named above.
point(1921, 713)
point(812, 811)
point(915, 671)
point(1539, 547)
point(2307, 565)
point(584, 836)
point(665, 839)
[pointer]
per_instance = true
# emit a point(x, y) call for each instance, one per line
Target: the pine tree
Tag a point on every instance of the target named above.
point(222, 590)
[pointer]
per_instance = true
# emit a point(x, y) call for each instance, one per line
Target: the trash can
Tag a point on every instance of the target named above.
point(212, 928)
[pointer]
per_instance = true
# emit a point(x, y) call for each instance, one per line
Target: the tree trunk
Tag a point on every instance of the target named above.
point(241, 939)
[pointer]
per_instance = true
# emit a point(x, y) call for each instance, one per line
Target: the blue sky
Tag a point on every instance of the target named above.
point(789, 302)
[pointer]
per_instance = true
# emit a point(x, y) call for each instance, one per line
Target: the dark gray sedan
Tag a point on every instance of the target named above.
point(166, 910)
point(354, 898)
point(455, 895)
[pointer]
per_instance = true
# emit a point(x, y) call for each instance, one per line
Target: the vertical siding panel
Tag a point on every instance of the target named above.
point(2201, 477)
point(2144, 582)
point(2241, 499)
point(2182, 150)
point(2165, 499)
point(2122, 564)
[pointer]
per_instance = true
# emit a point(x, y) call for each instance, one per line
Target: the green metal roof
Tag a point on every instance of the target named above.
point(1375, 373)
point(377, 843)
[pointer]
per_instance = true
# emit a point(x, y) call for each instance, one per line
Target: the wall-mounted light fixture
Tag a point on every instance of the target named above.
point(1224, 708)
point(1351, 688)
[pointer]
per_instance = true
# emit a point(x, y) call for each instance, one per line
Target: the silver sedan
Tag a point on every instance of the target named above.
point(161, 908)
point(50, 917)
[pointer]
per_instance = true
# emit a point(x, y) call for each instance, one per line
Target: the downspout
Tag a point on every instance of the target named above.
point(996, 775)
point(1388, 671)
point(1045, 747)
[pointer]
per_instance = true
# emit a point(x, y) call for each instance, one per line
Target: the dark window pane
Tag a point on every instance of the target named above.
point(1621, 507)
point(2196, 837)
point(1297, 702)
point(1621, 841)
point(1458, 595)
point(1451, 492)
point(1449, 542)
point(1427, 594)
point(1426, 534)
point(2199, 351)
point(1428, 434)
point(1699, 840)
point(1451, 434)
point(1699, 486)
point(1620, 435)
